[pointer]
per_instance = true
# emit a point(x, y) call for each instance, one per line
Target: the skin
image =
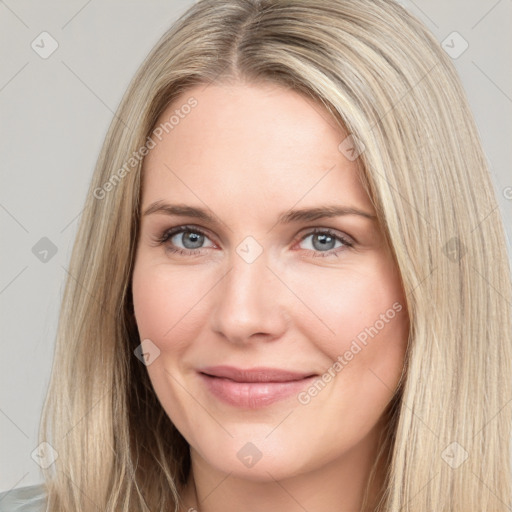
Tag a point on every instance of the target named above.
point(249, 153)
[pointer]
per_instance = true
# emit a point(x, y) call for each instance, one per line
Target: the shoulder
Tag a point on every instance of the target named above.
point(24, 499)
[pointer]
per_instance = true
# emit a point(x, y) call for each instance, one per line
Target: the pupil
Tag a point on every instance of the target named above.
point(195, 239)
point(323, 240)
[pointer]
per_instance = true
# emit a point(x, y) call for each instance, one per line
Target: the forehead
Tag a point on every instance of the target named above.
point(257, 145)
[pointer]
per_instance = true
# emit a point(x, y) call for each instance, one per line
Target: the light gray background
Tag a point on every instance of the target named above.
point(54, 115)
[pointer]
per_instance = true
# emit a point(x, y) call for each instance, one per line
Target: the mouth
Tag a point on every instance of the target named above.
point(253, 388)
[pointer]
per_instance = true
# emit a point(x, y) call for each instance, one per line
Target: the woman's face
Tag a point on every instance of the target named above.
point(275, 332)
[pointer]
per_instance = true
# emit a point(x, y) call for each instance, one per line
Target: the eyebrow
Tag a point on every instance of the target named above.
point(298, 215)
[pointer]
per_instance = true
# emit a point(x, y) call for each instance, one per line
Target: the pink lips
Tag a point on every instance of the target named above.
point(255, 387)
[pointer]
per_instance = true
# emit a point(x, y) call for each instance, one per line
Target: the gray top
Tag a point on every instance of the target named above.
point(24, 499)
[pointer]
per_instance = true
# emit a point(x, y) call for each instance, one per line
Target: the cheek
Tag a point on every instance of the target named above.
point(168, 312)
point(342, 304)
point(357, 318)
point(364, 355)
point(167, 304)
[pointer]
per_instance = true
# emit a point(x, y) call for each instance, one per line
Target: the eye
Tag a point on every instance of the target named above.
point(190, 237)
point(323, 242)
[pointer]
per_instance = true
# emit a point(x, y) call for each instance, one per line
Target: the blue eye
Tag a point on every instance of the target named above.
point(324, 242)
point(191, 238)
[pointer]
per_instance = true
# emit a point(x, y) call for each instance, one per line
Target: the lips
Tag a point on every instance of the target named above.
point(260, 374)
point(255, 387)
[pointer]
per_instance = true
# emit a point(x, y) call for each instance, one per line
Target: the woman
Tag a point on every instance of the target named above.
point(287, 290)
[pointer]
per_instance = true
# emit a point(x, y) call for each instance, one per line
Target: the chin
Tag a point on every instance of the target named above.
point(257, 457)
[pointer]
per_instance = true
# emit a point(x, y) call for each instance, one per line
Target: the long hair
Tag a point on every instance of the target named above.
point(388, 83)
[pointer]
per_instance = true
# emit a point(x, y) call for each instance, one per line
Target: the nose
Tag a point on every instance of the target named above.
point(250, 303)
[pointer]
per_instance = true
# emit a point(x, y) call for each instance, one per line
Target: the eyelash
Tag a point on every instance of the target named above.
point(168, 234)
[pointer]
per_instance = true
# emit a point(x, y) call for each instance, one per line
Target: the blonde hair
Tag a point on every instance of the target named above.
point(387, 82)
